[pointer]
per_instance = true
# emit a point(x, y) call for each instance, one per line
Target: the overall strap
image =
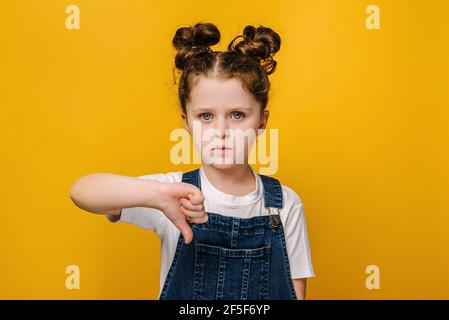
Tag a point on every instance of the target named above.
point(272, 192)
point(192, 177)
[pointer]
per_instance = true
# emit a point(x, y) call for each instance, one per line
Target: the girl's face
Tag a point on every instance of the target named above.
point(224, 121)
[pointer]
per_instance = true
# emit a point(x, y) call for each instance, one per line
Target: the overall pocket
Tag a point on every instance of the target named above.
point(233, 274)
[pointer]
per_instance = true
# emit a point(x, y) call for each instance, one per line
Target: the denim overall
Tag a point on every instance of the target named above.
point(232, 258)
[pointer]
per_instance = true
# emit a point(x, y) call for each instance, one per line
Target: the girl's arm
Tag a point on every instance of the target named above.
point(108, 193)
point(300, 288)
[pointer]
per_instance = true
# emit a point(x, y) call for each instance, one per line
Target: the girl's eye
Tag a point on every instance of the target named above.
point(205, 116)
point(238, 115)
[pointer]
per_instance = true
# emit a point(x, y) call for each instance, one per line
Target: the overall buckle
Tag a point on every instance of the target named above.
point(275, 219)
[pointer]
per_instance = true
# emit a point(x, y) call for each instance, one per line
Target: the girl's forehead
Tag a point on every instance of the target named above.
point(222, 94)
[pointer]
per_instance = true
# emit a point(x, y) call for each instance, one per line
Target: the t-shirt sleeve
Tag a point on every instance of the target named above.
point(150, 218)
point(296, 236)
point(146, 218)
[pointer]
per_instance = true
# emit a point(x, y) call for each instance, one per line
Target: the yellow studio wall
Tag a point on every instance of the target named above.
point(363, 138)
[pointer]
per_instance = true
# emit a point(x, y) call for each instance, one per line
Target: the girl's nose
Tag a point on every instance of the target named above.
point(222, 128)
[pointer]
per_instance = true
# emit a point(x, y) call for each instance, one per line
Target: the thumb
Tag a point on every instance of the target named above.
point(185, 229)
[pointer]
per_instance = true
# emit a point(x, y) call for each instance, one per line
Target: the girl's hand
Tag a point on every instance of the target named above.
point(181, 203)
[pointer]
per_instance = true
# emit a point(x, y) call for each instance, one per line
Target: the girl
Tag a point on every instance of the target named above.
point(226, 231)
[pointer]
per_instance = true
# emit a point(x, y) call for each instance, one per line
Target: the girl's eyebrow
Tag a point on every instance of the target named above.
point(242, 108)
point(202, 110)
point(212, 109)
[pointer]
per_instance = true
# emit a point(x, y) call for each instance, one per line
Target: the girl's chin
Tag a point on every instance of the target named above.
point(223, 166)
point(222, 162)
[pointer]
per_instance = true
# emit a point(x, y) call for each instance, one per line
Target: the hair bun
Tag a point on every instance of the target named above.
point(193, 40)
point(259, 43)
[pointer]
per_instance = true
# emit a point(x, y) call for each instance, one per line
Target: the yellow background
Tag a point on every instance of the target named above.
point(362, 118)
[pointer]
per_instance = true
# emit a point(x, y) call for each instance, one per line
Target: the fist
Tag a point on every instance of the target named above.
point(182, 203)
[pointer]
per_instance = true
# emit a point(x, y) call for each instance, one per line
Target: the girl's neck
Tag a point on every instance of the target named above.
point(237, 180)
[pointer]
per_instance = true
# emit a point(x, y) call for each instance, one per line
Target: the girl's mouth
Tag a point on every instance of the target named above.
point(222, 148)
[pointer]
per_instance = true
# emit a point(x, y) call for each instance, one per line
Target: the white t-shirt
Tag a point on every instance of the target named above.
point(249, 205)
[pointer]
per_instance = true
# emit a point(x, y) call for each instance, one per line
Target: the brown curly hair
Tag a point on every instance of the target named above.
point(250, 60)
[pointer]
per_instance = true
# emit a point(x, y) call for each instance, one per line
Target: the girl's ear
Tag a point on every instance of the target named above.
point(264, 120)
point(186, 123)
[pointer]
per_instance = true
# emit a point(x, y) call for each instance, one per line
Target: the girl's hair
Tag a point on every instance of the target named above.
point(250, 60)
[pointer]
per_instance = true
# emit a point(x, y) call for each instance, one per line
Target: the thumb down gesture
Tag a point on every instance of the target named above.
point(182, 203)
